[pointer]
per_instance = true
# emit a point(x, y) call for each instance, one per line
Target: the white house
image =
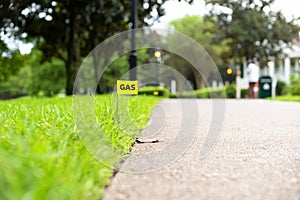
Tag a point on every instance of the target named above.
point(290, 64)
point(277, 69)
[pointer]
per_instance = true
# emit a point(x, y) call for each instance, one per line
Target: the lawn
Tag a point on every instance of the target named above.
point(286, 98)
point(42, 155)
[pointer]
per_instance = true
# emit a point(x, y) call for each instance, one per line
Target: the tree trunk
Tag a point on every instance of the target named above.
point(95, 64)
point(199, 81)
point(73, 59)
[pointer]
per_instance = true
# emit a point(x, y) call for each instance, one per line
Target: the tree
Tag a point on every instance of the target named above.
point(10, 65)
point(203, 32)
point(32, 77)
point(253, 29)
point(69, 29)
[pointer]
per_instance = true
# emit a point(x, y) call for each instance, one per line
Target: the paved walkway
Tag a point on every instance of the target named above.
point(256, 155)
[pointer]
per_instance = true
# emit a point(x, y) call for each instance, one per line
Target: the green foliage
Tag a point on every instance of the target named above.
point(294, 88)
point(42, 156)
point(203, 32)
point(217, 93)
point(226, 92)
point(69, 30)
point(281, 88)
point(35, 78)
point(155, 90)
point(47, 79)
point(209, 93)
point(113, 72)
point(3, 46)
point(244, 93)
point(15, 77)
point(230, 91)
point(286, 98)
point(252, 31)
point(10, 65)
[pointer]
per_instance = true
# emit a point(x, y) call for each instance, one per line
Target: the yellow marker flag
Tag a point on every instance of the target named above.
point(127, 87)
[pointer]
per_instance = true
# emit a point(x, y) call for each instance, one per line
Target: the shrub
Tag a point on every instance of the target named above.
point(217, 93)
point(204, 93)
point(244, 93)
point(295, 89)
point(155, 90)
point(210, 93)
point(281, 88)
point(230, 91)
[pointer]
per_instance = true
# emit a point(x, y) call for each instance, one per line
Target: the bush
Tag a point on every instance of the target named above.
point(244, 93)
point(294, 88)
point(155, 90)
point(185, 94)
point(217, 93)
point(230, 91)
point(210, 93)
point(202, 93)
point(205, 93)
point(281, 88)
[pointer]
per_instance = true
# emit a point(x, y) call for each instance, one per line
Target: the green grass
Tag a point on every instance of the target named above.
point(42, 156)
point(286, 98)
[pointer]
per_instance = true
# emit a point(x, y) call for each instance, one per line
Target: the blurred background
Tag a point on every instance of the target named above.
point(42, 43)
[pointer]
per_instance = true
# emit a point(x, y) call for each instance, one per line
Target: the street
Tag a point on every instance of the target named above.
point(254, 155)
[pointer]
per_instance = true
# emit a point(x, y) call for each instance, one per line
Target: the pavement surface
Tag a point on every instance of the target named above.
point(233, 149)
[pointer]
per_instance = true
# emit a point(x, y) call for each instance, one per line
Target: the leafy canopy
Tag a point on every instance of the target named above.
point(254, 29)
point(69, 29)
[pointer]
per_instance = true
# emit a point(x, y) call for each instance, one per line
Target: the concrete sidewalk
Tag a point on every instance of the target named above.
point(257, 154)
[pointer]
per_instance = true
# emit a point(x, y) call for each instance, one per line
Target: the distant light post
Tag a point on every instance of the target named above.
point(229, 71)
point(158, 56)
